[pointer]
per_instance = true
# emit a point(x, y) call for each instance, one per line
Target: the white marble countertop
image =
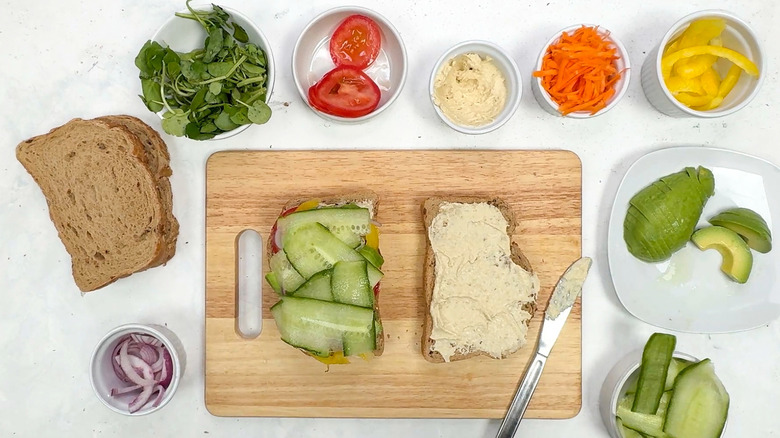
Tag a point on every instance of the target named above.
point(74, 58)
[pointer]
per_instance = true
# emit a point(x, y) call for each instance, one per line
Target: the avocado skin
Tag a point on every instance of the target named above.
point(748, 224)
point(662, 216)
point(737, 258)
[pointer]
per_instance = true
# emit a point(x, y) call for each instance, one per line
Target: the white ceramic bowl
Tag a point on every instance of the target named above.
point(102, 376)
point(505, 64)
point(184, 35)
point(622, 63)
point(311, 59)
point(622, 375)
point(737, 36)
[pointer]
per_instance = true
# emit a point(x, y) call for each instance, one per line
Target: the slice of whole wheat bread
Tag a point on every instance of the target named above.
point(102, 198)
point(159, 163)
point(430, 209)
point(340, 200)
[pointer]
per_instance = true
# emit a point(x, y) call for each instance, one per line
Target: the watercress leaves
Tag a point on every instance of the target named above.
point(210, 90)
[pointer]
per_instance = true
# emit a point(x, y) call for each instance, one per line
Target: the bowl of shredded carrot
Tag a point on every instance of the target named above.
point(582, 72)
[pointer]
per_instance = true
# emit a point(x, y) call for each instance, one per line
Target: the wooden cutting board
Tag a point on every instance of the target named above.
point(266, 377)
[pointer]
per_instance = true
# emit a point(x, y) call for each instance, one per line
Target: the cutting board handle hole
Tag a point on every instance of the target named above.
point(249, 290)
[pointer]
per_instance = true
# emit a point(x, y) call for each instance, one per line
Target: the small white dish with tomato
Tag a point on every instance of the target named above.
point(349, 64)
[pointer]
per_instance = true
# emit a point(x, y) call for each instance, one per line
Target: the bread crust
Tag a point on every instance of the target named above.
point(430, 209)
point(340, 199)
point(27, 157)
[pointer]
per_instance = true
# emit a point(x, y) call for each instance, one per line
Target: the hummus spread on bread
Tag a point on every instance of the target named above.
point(470, 90)
point(479, 292)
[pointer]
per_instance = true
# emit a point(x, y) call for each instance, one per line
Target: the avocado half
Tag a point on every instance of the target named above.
point(748, 224)
point(737, 258)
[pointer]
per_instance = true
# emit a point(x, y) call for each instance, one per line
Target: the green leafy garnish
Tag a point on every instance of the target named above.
point(207, 91)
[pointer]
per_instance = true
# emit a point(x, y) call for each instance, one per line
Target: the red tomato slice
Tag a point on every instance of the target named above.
point(355, 42)
point(345, 92)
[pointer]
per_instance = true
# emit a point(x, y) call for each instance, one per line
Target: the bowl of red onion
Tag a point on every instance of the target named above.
point(136, 368)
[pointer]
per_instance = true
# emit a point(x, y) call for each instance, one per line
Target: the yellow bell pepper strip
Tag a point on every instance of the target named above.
point(694, 66)
point(308, 205)
point(725, 87)
point(710, 81)
point(678, 84)
point(334, 359)
point(692, 100)
point(672, 47)
point(699, 33)
point(372, 238)
point(668, 61)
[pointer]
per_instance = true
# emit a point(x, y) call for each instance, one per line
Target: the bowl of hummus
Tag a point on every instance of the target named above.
point(475, 87)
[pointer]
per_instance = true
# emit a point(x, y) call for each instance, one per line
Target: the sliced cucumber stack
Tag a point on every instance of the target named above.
point(326, 274)
point(674, 398)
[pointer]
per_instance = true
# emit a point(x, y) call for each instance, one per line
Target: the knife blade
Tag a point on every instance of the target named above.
point(566, 291)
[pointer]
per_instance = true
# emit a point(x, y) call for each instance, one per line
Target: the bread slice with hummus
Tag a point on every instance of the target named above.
point(480, 289)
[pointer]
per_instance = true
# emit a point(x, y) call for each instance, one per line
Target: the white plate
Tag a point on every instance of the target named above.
point(688, 292)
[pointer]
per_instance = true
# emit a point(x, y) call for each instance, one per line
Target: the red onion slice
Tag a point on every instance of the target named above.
point(141, 399)
point(158, 365)
point(148, 354)
point(129, 363)
point(160, 394)
point(119, 391)
point(166, 374)
point(115, 363)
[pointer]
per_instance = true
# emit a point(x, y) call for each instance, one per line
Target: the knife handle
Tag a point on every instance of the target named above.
point(522, 397)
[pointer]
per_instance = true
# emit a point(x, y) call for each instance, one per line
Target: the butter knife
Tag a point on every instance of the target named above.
point(566, 292)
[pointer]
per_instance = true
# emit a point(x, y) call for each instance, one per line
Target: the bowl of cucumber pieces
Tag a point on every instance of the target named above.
point(663, 393)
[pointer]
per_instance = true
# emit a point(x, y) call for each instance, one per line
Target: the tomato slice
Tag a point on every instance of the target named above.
point(345, 92)
point(355, 42)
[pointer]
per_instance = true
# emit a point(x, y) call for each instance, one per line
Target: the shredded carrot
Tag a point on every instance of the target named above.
point(579, 71)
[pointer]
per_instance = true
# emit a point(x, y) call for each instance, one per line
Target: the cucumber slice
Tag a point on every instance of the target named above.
point(663, 405)
point(643, 423)
point(320, 326)
point(347, 224)
point(699, 405)
point(675, 367)
point(626, 432)
point(359, 343)
point(350, 284)
point(317, 287)
point(627, 401)
point(372, 256)
point(287, 277)
point(652, 375)
point(275, 285)
point(311, 248)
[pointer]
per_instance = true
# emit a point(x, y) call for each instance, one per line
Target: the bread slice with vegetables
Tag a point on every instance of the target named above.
point(325, 265)
point(102, 197)
point(480, 289)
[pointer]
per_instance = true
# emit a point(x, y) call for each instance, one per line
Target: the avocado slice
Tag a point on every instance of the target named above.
point(748, 224)
point(737, 258)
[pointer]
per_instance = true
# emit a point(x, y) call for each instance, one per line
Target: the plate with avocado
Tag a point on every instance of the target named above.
point(690, 240)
